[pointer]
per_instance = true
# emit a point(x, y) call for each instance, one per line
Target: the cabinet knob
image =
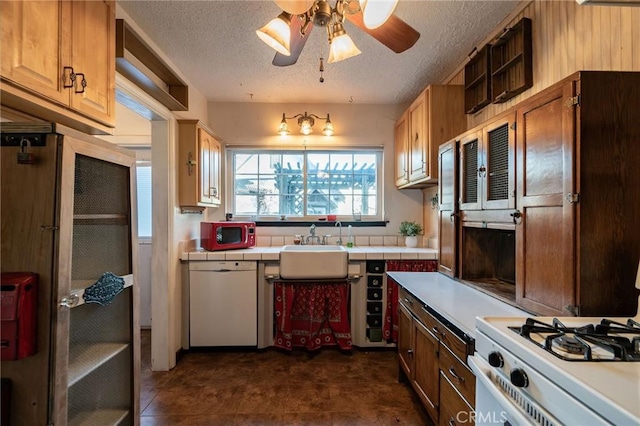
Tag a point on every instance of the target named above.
point(410, 352)
point(452, 217)
point(482, 171)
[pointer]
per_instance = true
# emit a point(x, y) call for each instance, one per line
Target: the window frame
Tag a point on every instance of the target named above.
point(230, 182)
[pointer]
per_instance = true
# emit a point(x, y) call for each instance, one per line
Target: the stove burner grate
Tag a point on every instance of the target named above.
point(580, 343)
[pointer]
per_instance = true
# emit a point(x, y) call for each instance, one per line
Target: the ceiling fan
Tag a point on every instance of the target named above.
point(288, 33)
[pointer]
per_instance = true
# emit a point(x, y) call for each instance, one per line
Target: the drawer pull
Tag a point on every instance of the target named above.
point(435, 330)
point(409, 301)
point(455, 376)
point(452, 422)
point(410, 352)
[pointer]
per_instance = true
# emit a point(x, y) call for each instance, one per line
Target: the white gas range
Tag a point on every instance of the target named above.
point(554, 371)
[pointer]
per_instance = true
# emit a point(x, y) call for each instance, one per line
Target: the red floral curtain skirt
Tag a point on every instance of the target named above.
point(312, 315)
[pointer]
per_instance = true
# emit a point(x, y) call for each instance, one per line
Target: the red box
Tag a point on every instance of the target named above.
point(18, 314)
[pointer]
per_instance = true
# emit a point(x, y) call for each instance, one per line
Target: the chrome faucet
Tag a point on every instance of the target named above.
point(338, 223)
point(313, 237)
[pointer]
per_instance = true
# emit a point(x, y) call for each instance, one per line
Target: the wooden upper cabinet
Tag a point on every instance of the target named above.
point(58, 61)
point(401, 150)
point(418, 151)
point(199, 174)
point(577, 245)
point(94, 59)
point(435, 116)
point(33, 56)
point(487, 166)
point(447, 220)
point(545, 144)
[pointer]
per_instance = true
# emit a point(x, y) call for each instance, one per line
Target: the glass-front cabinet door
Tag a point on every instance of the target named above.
point(97, 336)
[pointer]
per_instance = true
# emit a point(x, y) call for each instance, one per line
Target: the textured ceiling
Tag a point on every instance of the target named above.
point(215, 46)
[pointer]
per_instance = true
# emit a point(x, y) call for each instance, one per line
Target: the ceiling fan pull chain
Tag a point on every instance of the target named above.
point(321, 69)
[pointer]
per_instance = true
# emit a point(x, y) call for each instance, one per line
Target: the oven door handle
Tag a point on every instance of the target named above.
point(483, 373)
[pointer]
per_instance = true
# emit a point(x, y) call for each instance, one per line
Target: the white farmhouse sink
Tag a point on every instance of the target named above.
point(313, 262)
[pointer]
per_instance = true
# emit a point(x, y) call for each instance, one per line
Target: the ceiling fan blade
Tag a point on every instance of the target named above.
point(295, 7)
point(296, 44)
point(396, 34)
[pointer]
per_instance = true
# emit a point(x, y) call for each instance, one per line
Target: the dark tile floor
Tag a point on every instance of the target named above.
point(276, 388)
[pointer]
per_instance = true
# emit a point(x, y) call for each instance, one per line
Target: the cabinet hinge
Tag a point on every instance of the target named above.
point(573, 310)
point(574, 100)
point(573, 197)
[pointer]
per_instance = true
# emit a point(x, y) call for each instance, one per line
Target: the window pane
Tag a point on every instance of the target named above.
point(340, 182)
point(143, 175)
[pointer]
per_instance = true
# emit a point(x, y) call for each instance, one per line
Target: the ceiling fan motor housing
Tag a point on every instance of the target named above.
point(322, 14)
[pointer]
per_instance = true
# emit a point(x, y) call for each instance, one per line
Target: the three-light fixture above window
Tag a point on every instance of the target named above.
point(288, 33)
point(306, 122)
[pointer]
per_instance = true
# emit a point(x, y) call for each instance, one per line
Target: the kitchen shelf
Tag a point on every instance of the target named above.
point(140, 64)
point(477, 90)
point(85, 358)
point(512, 62)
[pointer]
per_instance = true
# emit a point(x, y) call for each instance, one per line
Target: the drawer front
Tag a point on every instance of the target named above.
point(408, 300)
point(458, 374)
point(374, 294)
point(374, 320)
point(448, 338)
point(453, 409)
point(374, 307)
point(375, 266)
point(374, 280)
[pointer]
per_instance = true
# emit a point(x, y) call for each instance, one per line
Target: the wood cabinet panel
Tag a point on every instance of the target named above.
point(58, 61)
point(33, 56)
point(401, 150)
point(459, 374)
point(426, 377)
point(546, 230)
point(199, 173)
point(434, 117)
point(455, 410)
point(93, 35)
point(405, 340)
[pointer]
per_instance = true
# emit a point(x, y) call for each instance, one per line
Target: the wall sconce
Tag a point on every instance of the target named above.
point(306, 122)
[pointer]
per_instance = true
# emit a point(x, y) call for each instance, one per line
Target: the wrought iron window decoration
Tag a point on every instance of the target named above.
point(306, 122)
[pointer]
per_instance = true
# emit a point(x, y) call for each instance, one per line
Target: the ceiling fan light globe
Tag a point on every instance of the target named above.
point(342, 47)
point(295, 7)
point(376, 12)
point(277, 34)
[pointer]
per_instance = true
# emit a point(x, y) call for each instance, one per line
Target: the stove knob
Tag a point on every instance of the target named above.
point(496, 360)
point(519, 378)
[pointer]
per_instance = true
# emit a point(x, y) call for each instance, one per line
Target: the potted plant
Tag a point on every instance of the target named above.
point(410, 230)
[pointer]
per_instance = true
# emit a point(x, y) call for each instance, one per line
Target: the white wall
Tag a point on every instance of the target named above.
point(256, 124)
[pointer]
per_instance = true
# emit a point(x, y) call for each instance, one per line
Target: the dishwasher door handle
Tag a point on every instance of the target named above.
point(221, 270)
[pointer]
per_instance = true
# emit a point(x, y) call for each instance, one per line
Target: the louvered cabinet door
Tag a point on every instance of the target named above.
point(498, 169)
point(470, 176)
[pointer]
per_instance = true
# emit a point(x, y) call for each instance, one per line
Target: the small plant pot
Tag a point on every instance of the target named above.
point(411, 241)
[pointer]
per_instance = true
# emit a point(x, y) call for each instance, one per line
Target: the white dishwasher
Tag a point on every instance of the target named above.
point(223, 303)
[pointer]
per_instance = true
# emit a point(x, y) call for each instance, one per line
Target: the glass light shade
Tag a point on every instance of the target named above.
point(376, 12)
point(277, 34)
point(328, 127)
point(342, 47)
point(305, 127)
point(283, 129)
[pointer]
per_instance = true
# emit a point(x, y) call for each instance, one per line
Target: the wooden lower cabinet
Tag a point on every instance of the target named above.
point(428, 354)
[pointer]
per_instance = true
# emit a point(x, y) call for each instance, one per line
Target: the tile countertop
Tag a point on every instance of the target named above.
point(458, 303)
point(355, 253)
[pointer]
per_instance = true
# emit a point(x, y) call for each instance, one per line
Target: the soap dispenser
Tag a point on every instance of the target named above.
point(349, 237)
